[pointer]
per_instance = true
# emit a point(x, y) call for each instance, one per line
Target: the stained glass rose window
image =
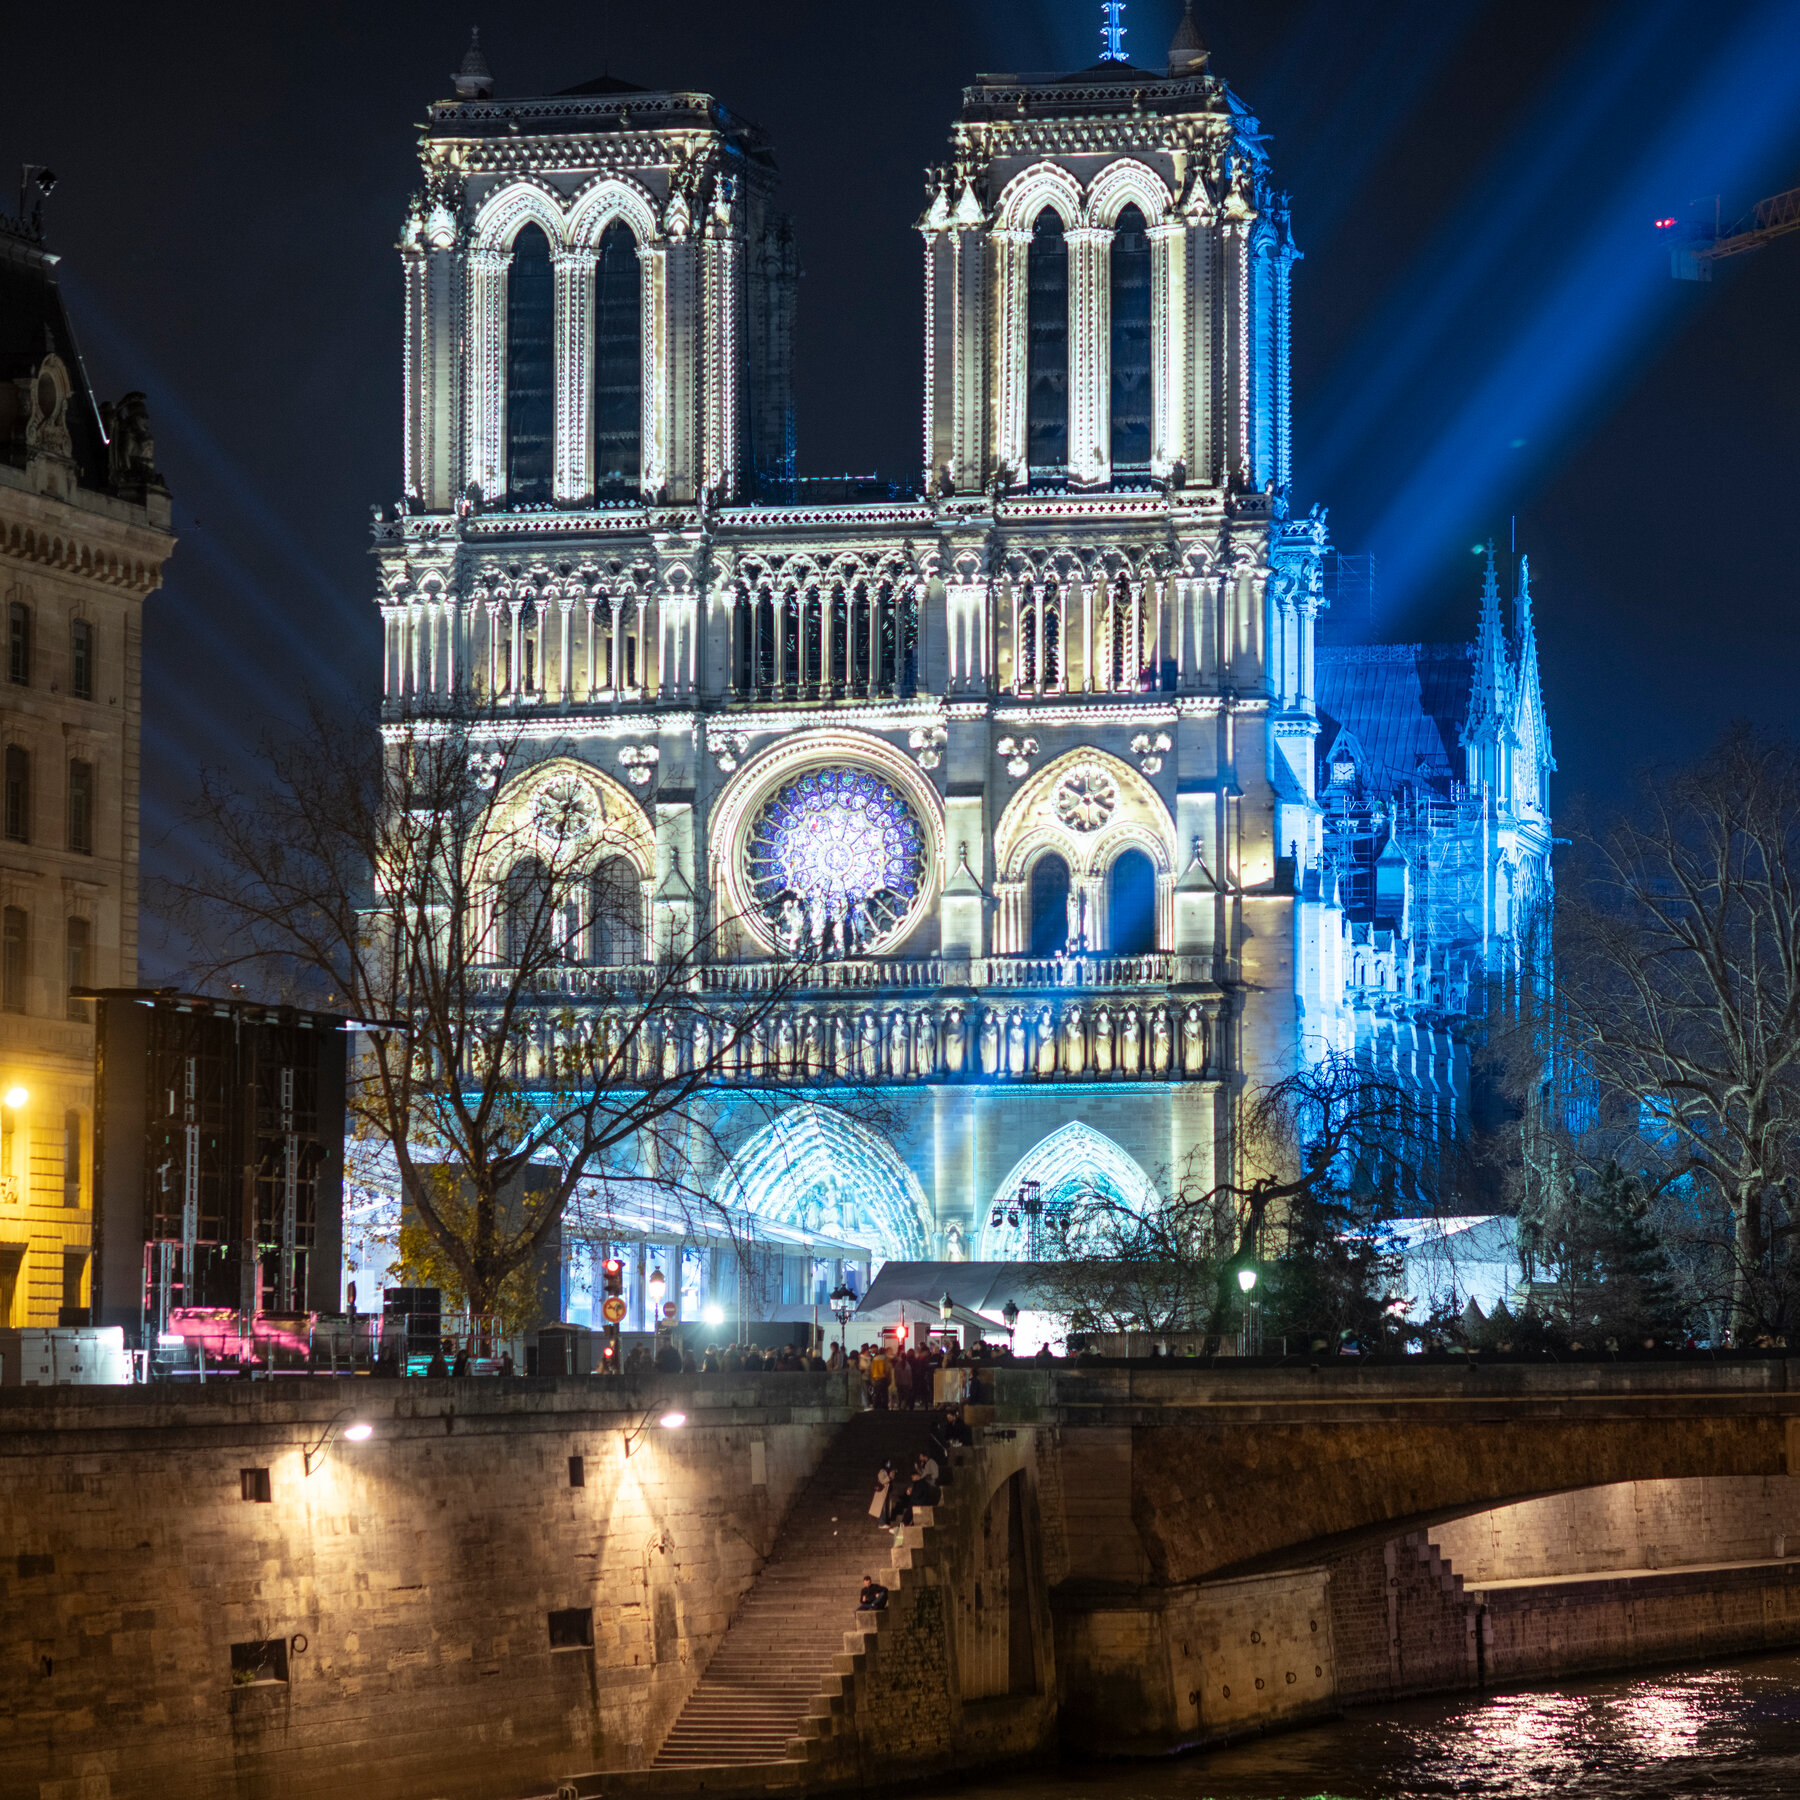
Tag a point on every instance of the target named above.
point(835, 859)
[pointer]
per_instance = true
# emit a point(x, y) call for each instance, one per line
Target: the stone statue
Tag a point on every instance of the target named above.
point(812, 1053)
point(1160, 1040)
point(897, 1045)
point(817, 923)
point(1074, 1045)
point(925, 1044)
point(871, 1047)
point(1103, 1042)
point(1193, 1041)
point(759, 1047)
point(955, 1041)
point(1131, 1035)
point(841, 1045)
point(784, 1045)
point(702, 1043)
point(990, 1042)
point(1046, 1041)
point(671, 1047)
point(1015, 1043)
point(790, 923)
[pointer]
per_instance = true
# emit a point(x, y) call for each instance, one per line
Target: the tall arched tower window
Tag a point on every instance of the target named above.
point(530, 367)
point(1047, 348)
point(1130, 347)
point(1131, 904)
point(618, 362)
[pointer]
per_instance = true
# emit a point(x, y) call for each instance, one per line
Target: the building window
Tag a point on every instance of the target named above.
point(81, 660)
point(1049, 905)
point(1130, 345)
point(618, 913)
point(618, 362)
point(81, 807)
point(78, 965)
point(1047, 347)
point(253, 1485)
point(18, 794)
point(74, 1275)
point(72, 1165)
point(529, 917)
point(262, 1659)
point(530, 367)
point(18, 642)
point(1131, 904)
point(14, 943)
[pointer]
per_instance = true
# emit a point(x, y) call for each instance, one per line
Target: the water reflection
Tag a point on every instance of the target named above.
point(1727, 1733)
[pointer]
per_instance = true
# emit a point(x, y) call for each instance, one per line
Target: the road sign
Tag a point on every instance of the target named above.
point(613, 1311)
point(669, 1309)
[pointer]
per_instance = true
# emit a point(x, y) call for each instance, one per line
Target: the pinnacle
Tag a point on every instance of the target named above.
point(474, 80)
point(1187, 52)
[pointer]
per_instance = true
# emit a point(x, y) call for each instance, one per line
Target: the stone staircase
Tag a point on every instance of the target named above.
point(784, 1665)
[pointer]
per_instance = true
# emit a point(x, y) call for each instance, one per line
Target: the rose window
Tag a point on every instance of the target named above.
point(835, 859)
point(1086, 800)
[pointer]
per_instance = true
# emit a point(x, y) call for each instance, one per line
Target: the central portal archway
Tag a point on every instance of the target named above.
point(1067, 1166)
point(816, 1170)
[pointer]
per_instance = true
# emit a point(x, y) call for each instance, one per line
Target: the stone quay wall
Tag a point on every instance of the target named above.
point(431, 1587)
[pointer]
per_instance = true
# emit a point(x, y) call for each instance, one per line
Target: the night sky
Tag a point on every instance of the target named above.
point(1484, 325)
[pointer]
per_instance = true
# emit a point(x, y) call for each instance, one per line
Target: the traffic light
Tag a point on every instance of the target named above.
point(613, 1276)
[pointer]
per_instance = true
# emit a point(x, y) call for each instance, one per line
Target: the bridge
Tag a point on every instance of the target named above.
point(511, 1585)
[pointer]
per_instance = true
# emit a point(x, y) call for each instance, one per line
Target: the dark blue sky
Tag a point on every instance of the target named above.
point(1483, 323)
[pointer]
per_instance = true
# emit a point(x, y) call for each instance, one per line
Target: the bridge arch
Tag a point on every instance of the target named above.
point(816, 1169)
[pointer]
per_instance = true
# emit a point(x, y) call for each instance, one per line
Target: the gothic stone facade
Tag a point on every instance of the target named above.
point(1030, 765)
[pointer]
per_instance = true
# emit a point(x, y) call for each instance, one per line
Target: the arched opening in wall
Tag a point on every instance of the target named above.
point(1074, 1167)
point(994, 1648)
point(860, 637)
point(1131, 904)
point(1130, 346)
point(816, 1170)
point(765, 640)
point(1047, 348)
point(618, 363)
point(617, 901)
point(530, 366)
point(529, 922)
point(840, 624)
point(812, 644)
point(1049, 896)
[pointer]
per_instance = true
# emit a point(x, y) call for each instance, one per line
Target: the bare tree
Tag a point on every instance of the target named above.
point(1326, 1154)
point(527, 1029)
point(1679, 999)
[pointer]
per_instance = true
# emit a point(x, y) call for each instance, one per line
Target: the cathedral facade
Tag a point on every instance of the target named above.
point(1043, 774)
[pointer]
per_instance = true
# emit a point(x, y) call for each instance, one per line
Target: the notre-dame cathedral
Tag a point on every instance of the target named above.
point(1042, 765)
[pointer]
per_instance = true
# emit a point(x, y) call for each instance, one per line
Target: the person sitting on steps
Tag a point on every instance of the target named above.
point(874, 1596)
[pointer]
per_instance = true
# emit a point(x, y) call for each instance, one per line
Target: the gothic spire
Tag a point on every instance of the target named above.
point(1526, 685)
point(1490, 689)
point(474, 80)
point(1187, 54)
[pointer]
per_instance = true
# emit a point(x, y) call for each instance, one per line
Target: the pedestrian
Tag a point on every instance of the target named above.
point(874, 1596)
point(461, 1365)
point(437, 1365)
point(903, 1381)
point(835, 1361)
point(506, 1362)
point(925, 1479)
point(880, 1376)
point(884, 1483)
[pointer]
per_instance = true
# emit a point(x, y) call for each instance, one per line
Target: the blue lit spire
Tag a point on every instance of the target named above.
point(1112, 33)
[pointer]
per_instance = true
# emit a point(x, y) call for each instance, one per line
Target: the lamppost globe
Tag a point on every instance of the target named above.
point(1246, 1279)
point(1010, 1313)
point(16, 1096)
point(946, 1308)
point(658, 1287)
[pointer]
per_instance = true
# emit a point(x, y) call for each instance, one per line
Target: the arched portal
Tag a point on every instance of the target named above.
point(1130, 346)
point(618, 361)
point(1068, 1165)
point(814, 1169)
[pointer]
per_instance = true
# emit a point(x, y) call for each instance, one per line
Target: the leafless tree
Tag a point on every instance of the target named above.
point(526, 1029)
point(1325, 1154)
point(1678, 1007)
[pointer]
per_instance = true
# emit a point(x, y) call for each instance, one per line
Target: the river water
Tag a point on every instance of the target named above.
point(1731, 1732)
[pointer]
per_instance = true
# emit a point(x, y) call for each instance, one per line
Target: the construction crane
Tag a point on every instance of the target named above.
point(1693, 258)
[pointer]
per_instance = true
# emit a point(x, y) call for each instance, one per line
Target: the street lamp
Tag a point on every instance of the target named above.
point(16, 1096)
point(843, 1304)
point(658, 1287)
point(312, 1455)
point(1246, 1280)
point(1010, 1313)
point(946, 1307)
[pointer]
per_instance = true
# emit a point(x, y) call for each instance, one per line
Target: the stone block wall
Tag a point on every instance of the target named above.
point(409, 1581)
point(1401, 1622)
point(1628, 1525)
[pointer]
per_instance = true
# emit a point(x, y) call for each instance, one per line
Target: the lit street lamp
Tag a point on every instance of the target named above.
point(1250, 1346)
point(1010, 1313)
point(946, 1307)
point(843, 1304)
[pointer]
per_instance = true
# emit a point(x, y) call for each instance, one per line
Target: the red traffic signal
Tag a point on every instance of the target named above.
point(613, 1276)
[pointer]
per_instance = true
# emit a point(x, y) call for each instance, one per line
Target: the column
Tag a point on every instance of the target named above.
point(617, 648)
point(588, 604)
point(515, 682)
point(1090, 354)
point(565, 605)
point(1012, 301)
point(1168, 339)
point(574, 276)
point(487, 371)
point(653, 276)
